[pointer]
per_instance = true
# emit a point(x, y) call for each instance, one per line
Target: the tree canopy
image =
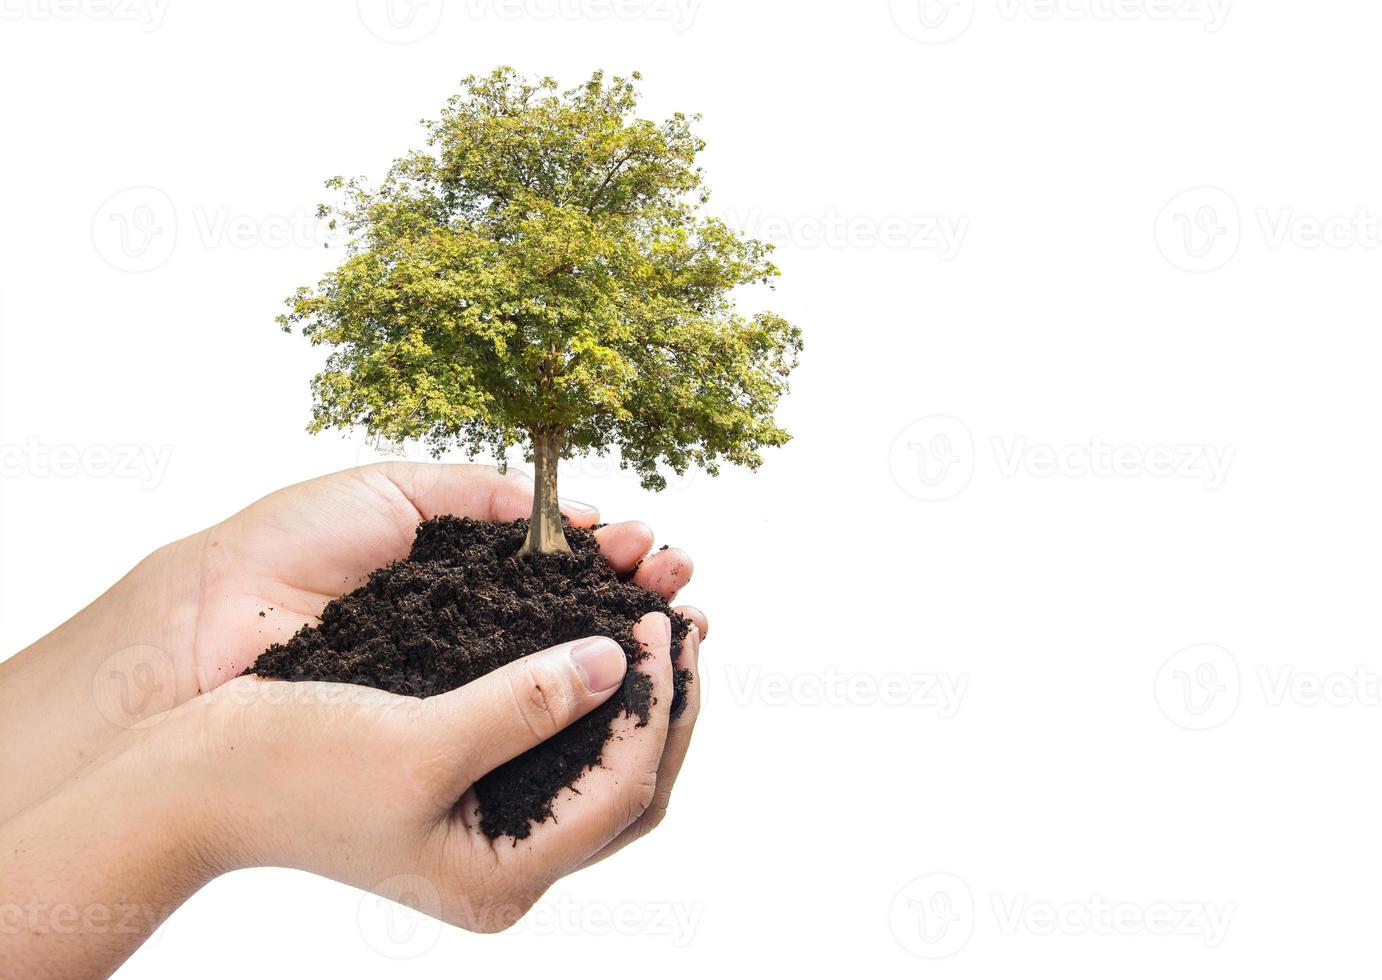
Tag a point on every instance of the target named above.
point(544, 268)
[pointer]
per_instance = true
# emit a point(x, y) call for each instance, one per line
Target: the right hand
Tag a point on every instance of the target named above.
point(375, 790)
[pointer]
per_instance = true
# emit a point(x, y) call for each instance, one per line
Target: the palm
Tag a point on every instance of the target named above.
point(272, 568)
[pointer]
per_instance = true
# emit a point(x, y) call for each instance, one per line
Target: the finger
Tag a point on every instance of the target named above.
point(665, 572)
point(673, 752)
point(679, 731)
point(624, 544)
point(507, 712)
point(606, 799)
point(481, 493)
point(694, 614)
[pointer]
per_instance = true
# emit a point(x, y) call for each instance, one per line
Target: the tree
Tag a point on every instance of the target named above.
point(542, 276)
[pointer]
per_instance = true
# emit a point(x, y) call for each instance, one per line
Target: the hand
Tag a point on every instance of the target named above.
point(187, 619)
point(285, 555)
point(306, 755)
point(291, 553)
point(364, 786)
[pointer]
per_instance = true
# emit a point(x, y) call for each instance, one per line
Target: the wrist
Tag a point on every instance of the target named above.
point(186, 761)
point(108, 669)
point(116, 840)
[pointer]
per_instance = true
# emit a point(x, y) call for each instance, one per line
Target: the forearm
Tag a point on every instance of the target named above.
point(103, 672)
point(89, 871)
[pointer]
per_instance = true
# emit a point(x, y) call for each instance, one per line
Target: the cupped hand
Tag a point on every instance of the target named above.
point(354, 783)
point(195, 614)
point(292, 552)
point(376, 790)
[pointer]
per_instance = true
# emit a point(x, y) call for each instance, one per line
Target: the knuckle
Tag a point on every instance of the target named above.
point(652, 819)
point(640, 796)
point(504, 912)
point(478, 897)
point(646, 824)
point(541, 700)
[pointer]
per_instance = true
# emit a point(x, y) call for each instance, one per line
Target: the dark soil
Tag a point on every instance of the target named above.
point(464, 603)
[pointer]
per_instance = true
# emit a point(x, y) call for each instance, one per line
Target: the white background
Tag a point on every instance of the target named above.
point(1150, 324)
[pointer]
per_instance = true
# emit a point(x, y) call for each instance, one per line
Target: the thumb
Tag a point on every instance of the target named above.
point(507, 712)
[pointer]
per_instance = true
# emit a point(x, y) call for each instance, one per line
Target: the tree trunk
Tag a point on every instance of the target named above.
point(545, 535)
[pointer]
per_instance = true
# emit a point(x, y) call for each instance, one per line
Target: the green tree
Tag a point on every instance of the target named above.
point(542, 276)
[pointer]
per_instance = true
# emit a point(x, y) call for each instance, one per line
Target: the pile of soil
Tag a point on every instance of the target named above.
point(464, 603)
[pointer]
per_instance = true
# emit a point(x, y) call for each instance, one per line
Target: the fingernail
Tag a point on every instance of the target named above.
point(697, 616)
point(600, 662)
